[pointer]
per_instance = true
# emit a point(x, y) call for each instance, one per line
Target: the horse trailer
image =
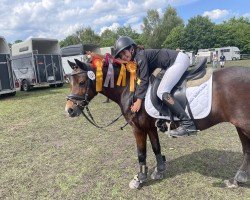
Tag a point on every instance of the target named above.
point(7, 82)
point(204, 53)
point(37, 62)
point(230, 53)
point(77, 51)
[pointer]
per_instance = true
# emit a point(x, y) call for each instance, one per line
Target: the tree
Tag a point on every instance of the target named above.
point(175, 39)
point(199, 33)
point(128, 31)
point(70, 40)
point(234, 32)
point(150, 24)
point(88, 36)
point(108, 38)
point(170, 21)
point(17, 41)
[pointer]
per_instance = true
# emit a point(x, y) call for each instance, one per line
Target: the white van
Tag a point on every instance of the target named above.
point(231, 53)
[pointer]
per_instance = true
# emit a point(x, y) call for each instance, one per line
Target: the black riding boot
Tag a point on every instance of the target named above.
point(187, 126)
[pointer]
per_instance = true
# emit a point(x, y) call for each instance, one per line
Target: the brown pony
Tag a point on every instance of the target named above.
point(230, 103)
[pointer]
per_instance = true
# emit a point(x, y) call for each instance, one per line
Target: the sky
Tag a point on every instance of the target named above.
point(23, 19)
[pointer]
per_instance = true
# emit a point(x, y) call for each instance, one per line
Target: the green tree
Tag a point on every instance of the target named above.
point(170, 21)
point(88, 36)
point(70, 40)
point(17, 41)
point(199, 33)
point(150, 24)
point(175, 39)
point(128, 31)
point(108, 38)
point(234, 32)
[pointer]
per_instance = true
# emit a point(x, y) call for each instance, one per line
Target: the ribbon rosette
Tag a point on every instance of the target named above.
point(97, 62)
point(110, 74)
point(131, 67)
point(122, 76)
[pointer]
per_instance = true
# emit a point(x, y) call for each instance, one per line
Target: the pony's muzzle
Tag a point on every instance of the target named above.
point(74, 112)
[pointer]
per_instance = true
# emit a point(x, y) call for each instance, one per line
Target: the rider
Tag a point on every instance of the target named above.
point(175, 63)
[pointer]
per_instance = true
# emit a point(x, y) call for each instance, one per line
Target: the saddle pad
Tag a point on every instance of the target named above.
point(199, 98)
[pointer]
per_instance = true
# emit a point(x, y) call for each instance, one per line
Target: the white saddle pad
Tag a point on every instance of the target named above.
point(199, 98)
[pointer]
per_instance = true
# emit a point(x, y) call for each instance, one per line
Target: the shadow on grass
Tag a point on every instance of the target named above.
point(209, 162)
point(39, 91)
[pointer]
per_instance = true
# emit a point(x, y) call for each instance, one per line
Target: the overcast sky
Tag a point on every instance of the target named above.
point(22, 19)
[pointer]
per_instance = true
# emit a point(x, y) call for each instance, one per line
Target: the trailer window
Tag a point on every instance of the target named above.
point(23, 49)
point(225, 50)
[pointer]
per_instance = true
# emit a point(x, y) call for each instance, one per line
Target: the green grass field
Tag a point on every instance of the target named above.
point(46, 155)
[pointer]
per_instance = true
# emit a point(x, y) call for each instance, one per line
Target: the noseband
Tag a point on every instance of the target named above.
point(80, 100)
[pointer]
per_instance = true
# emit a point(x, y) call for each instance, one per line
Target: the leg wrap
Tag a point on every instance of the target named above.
point(161, 163)
point(142, 175)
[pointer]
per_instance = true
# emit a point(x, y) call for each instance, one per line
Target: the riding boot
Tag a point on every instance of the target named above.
point(187, 126)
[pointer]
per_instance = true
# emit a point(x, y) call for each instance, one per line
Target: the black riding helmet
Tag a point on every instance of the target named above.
point(122, 43)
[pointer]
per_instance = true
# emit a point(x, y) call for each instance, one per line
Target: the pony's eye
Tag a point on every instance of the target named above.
point(81, 84)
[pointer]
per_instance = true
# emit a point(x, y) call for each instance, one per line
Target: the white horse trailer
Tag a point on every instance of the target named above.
point(109, 50)
point(7, 82)
point(231, 53)
point(37, 62)
point(77, 51)
point(204, 53)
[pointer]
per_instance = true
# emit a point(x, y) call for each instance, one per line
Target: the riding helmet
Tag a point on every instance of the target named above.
point(122, 43)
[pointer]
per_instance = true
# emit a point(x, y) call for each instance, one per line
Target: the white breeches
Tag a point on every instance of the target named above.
point(173, 74)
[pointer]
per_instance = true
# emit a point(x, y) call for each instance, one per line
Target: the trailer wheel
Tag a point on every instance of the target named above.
point(13, 94)
point(59, 84)
point(52, 85)
point(25, 86)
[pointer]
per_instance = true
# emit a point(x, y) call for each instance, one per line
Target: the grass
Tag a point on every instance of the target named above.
point(46, 155)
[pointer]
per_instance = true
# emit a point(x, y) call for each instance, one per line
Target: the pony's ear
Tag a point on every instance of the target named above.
point(82, 65)
point(71, 64)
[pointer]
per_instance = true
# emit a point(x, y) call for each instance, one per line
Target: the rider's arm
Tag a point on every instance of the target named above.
point(143, 76)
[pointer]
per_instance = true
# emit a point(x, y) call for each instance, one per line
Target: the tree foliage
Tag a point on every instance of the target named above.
point(175, 39)
point(169, 31)
point(151, 24)
point(199, 33)
point(108, 38)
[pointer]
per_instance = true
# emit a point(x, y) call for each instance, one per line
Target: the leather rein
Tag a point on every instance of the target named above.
point(82, 103)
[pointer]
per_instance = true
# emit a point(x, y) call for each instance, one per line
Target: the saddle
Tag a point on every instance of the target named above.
point(179, 90)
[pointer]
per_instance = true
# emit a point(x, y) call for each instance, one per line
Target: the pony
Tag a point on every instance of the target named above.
point(230, 103)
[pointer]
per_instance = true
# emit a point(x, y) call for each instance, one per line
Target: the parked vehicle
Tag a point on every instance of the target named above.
point(37, 62)
point(109, 50)
point(204, 53)
point(77, 51)
point(7, 79)
point(231, 53)
point(191, 56)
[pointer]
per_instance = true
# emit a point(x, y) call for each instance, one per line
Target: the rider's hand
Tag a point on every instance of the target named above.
point(136, 106)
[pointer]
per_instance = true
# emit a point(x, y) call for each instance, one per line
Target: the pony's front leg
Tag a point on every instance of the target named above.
point(160, 169)
point(141, 142)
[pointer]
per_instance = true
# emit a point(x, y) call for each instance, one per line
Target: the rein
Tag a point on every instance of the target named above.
point(84, 104)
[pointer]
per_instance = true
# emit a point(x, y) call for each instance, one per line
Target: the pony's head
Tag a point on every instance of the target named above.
point(82, 88)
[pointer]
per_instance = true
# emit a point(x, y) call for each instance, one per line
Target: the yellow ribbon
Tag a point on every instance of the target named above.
point(131, 67)
point(97, 62)
point(122, 76)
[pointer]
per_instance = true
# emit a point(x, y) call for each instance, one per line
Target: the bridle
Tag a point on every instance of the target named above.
point(79, 100)
point(82, 102)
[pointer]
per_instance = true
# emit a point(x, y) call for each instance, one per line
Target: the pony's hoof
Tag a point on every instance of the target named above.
point(135, 183)
point(241, 176)
point(156, 175)
point(231, 183)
